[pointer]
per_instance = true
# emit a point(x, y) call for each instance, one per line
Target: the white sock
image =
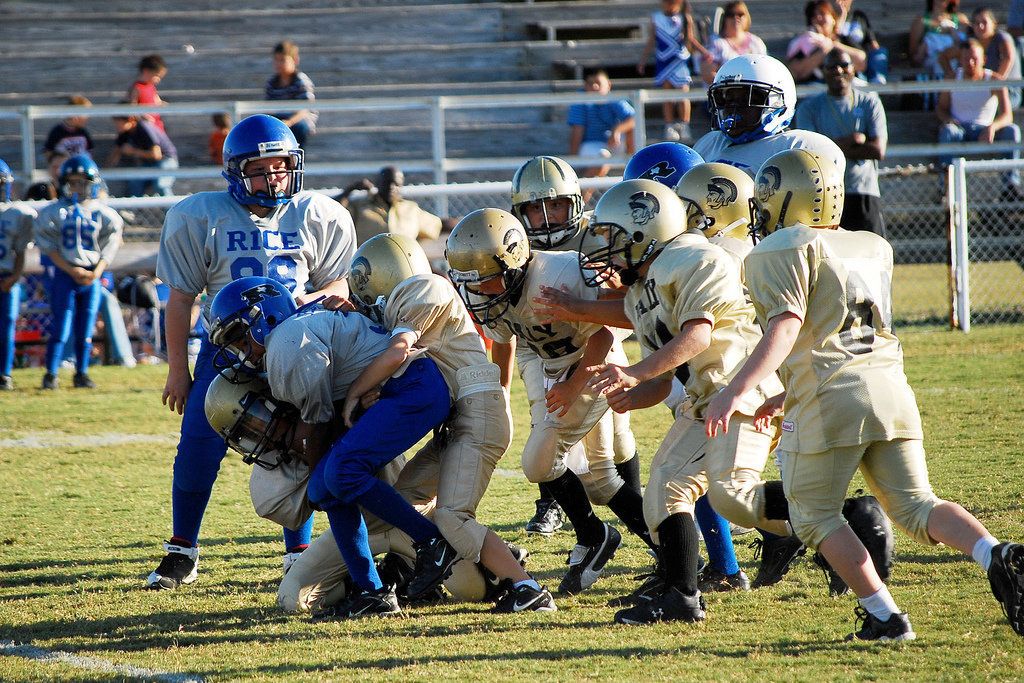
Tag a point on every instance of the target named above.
point(880, 604)
point(529, 582)
point(982, 552)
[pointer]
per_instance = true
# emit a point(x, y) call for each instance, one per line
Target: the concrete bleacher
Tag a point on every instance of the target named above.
point(359, 49)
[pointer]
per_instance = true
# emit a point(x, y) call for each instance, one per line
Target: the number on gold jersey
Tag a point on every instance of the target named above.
point(866, 312)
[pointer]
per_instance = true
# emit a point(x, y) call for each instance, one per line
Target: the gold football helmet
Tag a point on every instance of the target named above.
point(542, 179)
point(796, 186)
point(717, 199)
point(251, 420)
point(379, 265)
point(487, 244)
point(633, 221)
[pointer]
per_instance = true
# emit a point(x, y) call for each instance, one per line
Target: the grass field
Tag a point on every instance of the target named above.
point(85, 503)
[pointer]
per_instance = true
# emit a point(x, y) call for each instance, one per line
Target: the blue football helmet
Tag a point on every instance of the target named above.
point(249, 306)
point(260, 137)
point(79, 165)
point(752, 97)
point(665, 162)
point(6, 180)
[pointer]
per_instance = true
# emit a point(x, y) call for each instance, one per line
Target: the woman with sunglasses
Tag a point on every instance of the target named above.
point(734, 39)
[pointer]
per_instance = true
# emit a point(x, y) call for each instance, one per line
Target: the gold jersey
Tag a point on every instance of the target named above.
point(692, 279)
point(559, 345)
point(844, 378)
point(430, 308)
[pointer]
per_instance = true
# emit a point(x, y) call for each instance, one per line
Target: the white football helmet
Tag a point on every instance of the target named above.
point(251, 420)
point(486, 244)
point(632, 222)
point(752, 97)
point(379, 265)
point(542, 179)
point(796, 186)
point(717, 199)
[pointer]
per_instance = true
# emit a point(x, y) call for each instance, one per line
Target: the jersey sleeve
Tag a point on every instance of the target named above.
point(17, 223)
point(47, 229)
point(181, 261)
point(110, 237)
point(709, 291)
point(416, 305)
point(336, 241)
point(778, 281)
point(299, 372)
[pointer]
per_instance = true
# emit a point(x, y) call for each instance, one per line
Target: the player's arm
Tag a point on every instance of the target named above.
point(768, 355)
point(177, 323)
point(693, 338)
point(19, 268)
point(562, 305)
point(644, 395)
point(641, 66)
point(338, 288)
point(378, 371)
point(563, 394)
point(503, 355)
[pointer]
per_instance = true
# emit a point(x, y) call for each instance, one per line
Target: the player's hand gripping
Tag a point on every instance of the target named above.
point(558, 304)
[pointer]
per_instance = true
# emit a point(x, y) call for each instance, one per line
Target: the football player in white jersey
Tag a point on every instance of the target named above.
point(752, 102)
point(392, 283)
point(243, 410)
point(687, 305)
point(263, 225)
point(823, 297)
point(490, 260)
point(81, 235)
point(16, 221)
point(548, 200)
point(311, 357)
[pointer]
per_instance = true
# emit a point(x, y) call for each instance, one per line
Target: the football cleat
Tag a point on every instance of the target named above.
point(777, 555)
point(587, 562)
point(653, 584)
point(670, 605)
point(6, 383)
point(50, 381)
point(83, 381)
point(713, 581)
point(178, 567)
point(1006, 577)
point(548, 520)
point(521, 554)
point(525, 598)
point(434, 560)
point(376, 603)
point(895, 628)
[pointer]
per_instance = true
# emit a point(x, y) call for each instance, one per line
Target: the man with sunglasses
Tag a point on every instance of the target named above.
point(752, 100)
point(855, 120)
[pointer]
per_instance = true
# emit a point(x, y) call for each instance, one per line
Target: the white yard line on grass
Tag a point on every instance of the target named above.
point(11, 649)
point(53, 439)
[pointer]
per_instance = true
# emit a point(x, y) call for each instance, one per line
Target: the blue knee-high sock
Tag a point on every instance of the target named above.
point(349, 530)
point(717, 537)
point(385, 502)
point(298, 538)
point(188, 508)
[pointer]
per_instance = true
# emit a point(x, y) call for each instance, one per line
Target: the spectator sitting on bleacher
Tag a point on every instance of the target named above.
point(941, 26)
point(149, 147)
point(854, 29)
point(734, 40)
point(69, 137)
point(979, 114)
point(806, 52)
point(1001, 56)
point(602, 129)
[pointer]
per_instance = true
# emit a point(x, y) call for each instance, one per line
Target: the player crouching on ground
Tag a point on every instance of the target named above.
point(243, 411)
point(823, 297)
point(392, 284)
point(311, 358)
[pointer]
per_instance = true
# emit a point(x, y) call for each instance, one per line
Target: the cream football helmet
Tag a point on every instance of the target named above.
point(796, 186)
point(487, 244)
point(251, 420)
point(717, 200)
point(543, 179)
point(633, 221)
point(379, 265)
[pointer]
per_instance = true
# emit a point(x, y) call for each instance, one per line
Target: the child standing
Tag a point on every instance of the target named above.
point(152, 69)
point(672, 37)
point(81, 236)
point(291, 84)
point(215, 145)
